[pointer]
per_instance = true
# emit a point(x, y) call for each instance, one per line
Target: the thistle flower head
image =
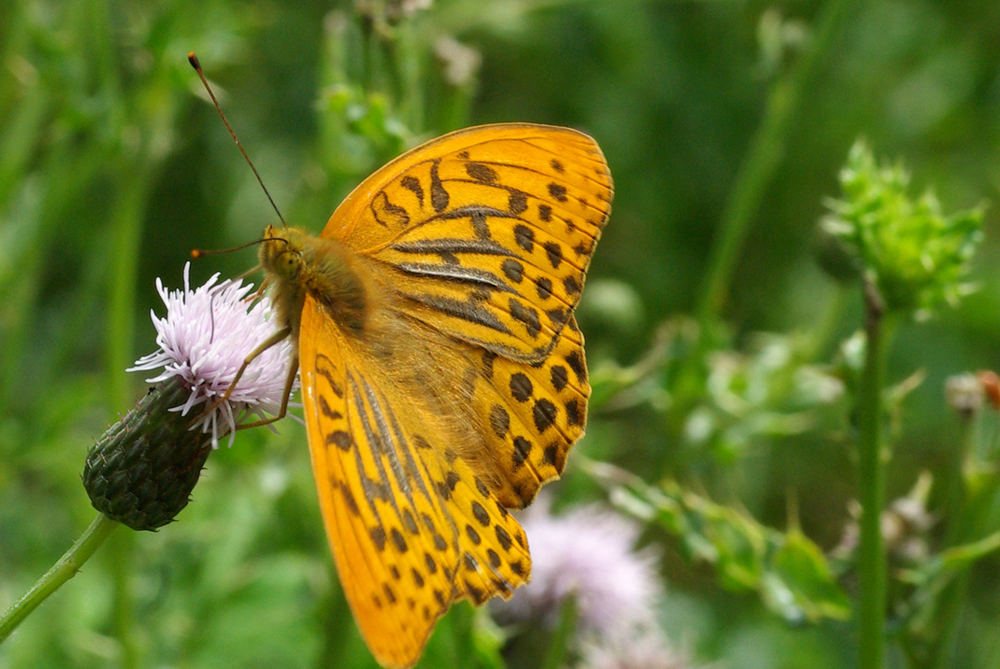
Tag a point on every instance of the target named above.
point(203, 340)
point(587, 554)
point(143, 468)
point(636, 647)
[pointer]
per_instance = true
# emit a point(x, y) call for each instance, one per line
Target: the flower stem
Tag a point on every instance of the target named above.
point(872, 560)
point(969, 510)
point(63, 570)
point(767, 149)
point(556, 653)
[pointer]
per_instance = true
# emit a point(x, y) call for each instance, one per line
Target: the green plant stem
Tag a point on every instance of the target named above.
point(556, 654)
point(958, 528)
point(63, 570)
point(872, 559)
point(970, 513)
point(767, 148)
point(951, 608)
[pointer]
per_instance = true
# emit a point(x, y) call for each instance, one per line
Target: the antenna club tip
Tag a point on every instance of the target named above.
point(193, 59)
point(196, 253)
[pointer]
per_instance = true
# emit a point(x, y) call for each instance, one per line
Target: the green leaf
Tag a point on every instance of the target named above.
point(787, 569)
point(801, 571)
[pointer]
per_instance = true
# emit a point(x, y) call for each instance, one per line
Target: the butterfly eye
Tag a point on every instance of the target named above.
point(288, 264)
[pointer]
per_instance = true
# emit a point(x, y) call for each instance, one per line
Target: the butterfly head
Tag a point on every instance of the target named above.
point(280, 255)
point(283, 261)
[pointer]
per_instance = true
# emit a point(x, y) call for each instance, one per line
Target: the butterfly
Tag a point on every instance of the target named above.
point(442, 369)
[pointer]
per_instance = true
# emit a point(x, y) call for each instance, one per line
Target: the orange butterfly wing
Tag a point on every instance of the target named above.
point(489, 230)
point(486, 234)
point(410, 531)
point(468, 385)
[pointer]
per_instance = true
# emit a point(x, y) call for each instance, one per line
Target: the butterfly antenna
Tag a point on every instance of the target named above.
point(196, 64)
point(201, 253)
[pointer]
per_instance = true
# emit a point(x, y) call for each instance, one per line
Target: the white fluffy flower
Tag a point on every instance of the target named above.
point(206, 335)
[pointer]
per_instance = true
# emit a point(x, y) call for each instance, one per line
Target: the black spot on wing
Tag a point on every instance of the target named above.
point(513, 270)
point(517, 202)
point(520, 387)
point(525, 237)
point(499, 420)
point(411, 184)
point(557, 191)
point(526, 315)
point(439, 196)
point(481, 173)
point(554, 253)
point(544, 413)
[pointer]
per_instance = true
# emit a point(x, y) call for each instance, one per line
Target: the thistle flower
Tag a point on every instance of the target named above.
point(638, 647)
point(206, 335)
point(143, 469)
point(586, 554)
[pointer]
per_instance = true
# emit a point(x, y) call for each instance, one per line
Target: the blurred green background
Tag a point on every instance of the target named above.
point(112, 167)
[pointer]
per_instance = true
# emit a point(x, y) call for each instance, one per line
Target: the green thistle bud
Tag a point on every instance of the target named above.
point(142, 470)
point(916, 256)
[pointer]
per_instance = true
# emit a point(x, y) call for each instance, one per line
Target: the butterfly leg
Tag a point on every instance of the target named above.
point(266, 344)
point(287, 393)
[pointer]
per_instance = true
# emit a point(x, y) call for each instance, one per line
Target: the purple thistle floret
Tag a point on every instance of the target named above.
point(638, 647)
point(204, 338)
point(587, 553)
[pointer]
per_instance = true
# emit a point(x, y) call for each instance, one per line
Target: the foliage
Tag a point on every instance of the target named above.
point(728, 434)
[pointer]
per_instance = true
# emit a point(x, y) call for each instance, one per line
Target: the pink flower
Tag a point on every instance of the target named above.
point(588, 554)
point(638, 647)
point(204, 338)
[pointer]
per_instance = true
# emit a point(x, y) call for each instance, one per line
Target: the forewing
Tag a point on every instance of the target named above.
point(485, 234)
